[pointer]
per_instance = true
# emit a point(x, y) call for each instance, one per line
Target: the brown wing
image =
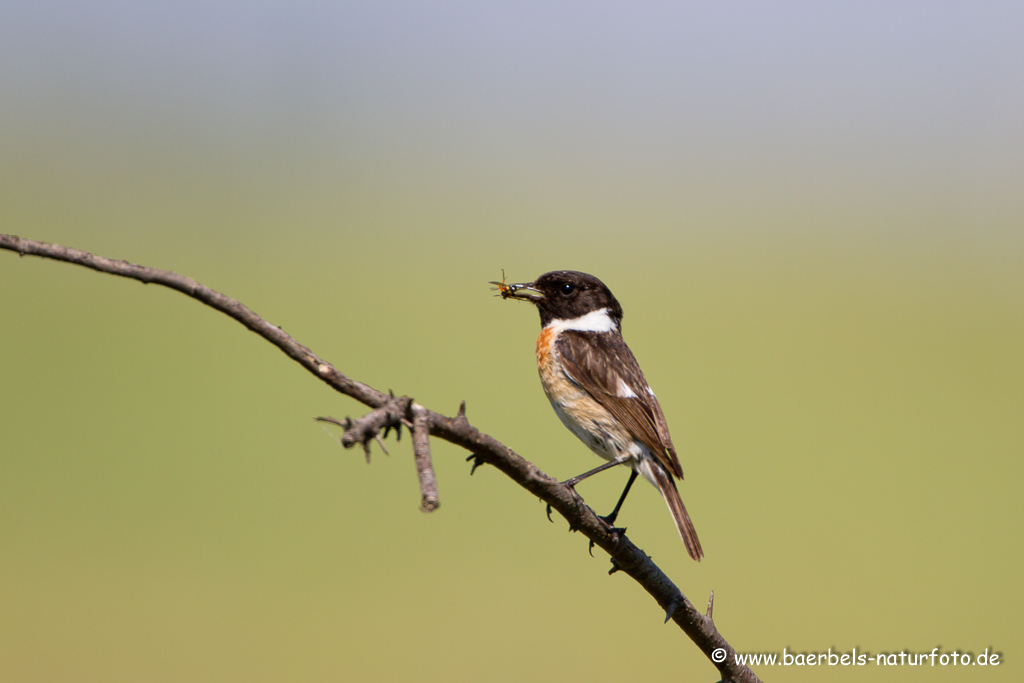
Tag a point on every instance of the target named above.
point(602, 364)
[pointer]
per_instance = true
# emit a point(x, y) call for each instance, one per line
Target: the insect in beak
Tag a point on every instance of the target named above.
point(508, 290)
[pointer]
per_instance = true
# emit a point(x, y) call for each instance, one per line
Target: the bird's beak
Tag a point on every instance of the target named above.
point(524, 291)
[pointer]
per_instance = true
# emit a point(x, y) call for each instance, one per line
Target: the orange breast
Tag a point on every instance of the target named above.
point(584, 416)
point(544, 342)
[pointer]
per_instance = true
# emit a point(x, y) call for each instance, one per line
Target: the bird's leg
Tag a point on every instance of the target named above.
point(571, 483)
point(610, 518)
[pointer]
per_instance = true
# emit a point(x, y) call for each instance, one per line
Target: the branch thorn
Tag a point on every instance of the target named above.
point(478, 460)
point(670, 610)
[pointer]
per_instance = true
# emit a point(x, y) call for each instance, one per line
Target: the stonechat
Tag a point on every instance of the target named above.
point(597, 387)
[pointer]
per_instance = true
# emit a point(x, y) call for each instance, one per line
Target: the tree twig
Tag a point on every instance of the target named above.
point(390, 415)
point(625, 556)
point(421, 452)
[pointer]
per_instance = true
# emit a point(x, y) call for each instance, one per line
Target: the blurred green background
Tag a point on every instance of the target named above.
point(812, 215)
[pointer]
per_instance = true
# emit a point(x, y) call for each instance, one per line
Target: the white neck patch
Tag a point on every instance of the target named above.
point(595, 321)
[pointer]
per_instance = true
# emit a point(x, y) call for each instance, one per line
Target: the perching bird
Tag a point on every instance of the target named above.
point(597, 388)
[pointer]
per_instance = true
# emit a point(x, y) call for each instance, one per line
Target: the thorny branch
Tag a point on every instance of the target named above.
point(421, 453)
point(392, 415)
point(625, 556)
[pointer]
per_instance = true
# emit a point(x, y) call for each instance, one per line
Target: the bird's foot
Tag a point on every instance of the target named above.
point(609, 521)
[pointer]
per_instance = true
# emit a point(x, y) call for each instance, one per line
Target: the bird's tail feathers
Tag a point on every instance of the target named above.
point(670, 493)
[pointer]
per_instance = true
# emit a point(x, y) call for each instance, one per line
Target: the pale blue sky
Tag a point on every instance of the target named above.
point(919, 101)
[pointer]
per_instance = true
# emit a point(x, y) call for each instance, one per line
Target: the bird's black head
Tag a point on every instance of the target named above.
point(565, 295)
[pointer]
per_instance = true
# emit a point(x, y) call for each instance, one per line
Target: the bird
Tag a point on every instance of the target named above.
point(597, 389)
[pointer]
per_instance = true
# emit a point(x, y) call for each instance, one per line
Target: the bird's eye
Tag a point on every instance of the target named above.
point(567, 289)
